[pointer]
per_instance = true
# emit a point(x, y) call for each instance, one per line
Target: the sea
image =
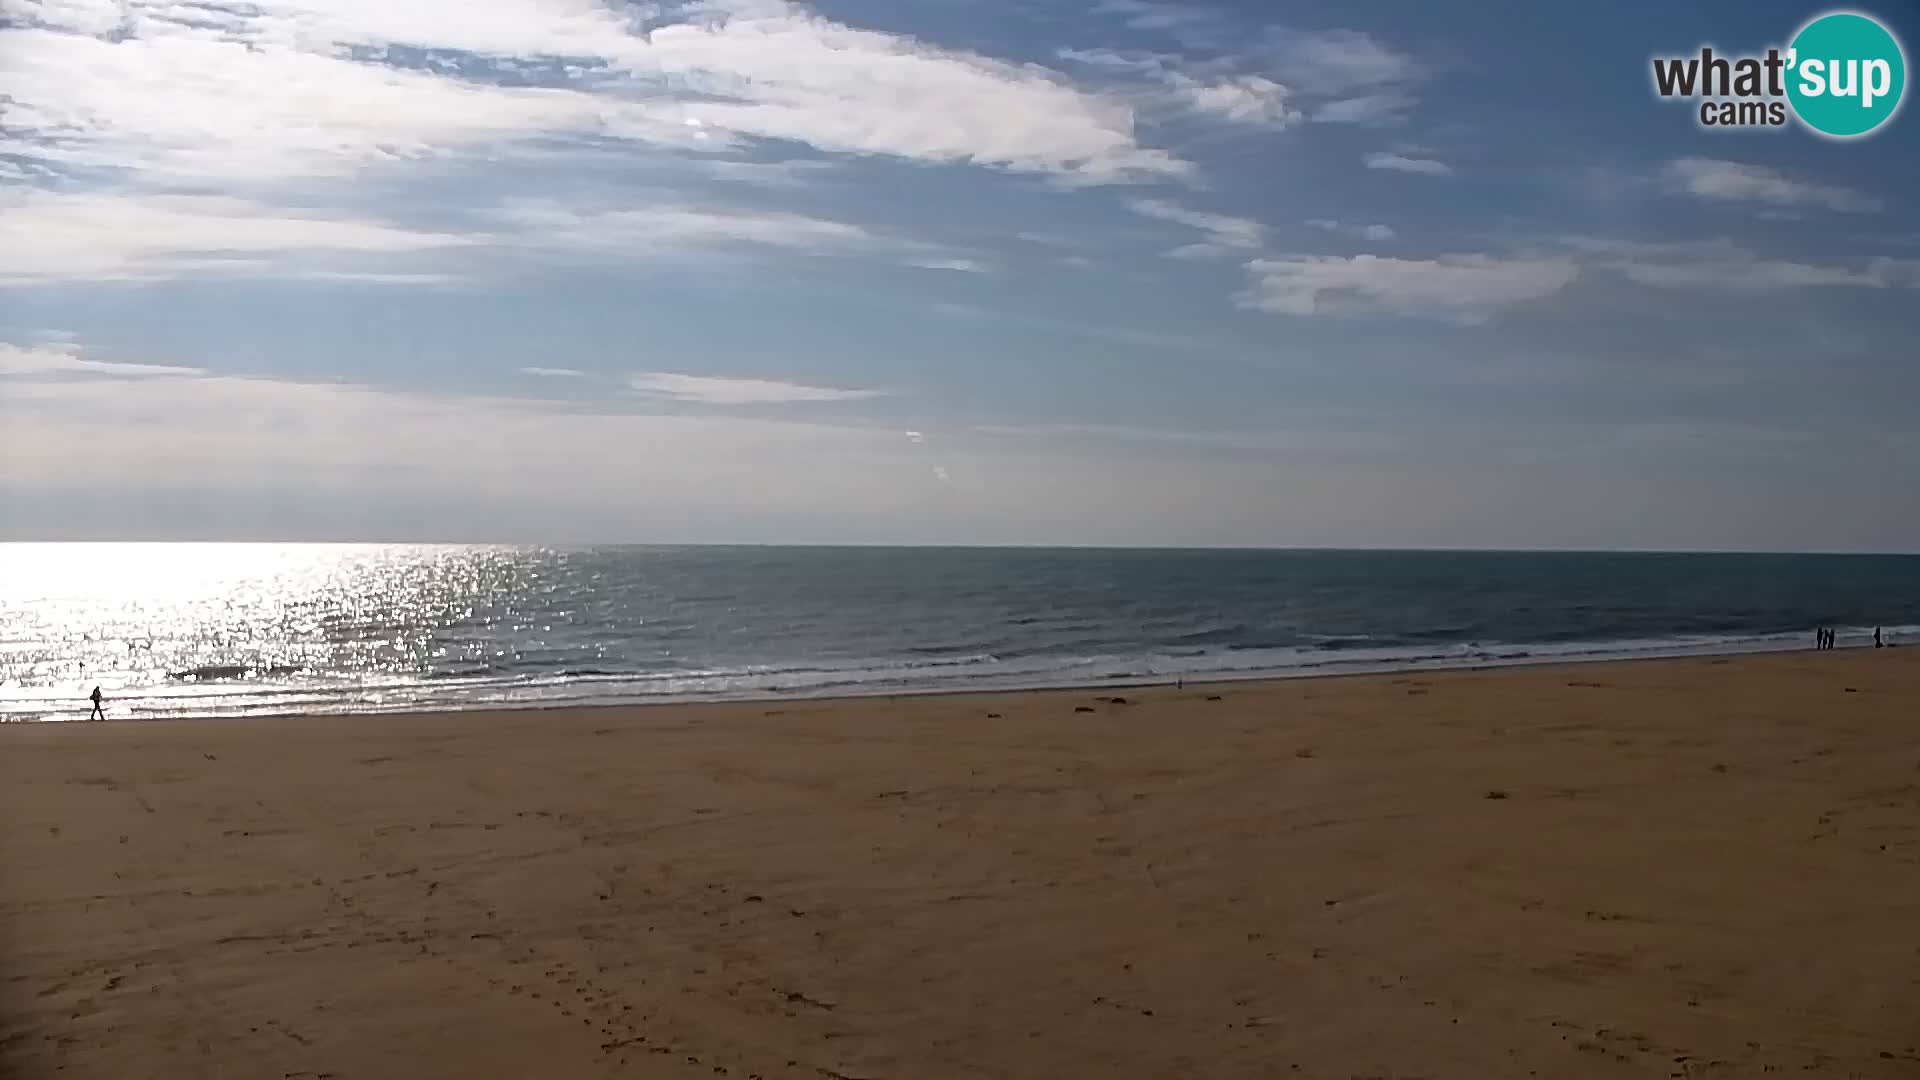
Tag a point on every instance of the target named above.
point(173, 630)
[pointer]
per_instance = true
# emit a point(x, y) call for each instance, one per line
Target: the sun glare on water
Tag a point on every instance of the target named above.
point(168, 620)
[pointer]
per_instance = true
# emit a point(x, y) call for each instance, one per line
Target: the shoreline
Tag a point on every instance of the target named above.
point(1590, 871)
point(1325, 670)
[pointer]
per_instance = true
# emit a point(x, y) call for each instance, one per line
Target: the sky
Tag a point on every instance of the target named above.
point(1102, 272)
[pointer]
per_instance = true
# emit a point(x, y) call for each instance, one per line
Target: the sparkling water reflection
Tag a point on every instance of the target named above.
point(186, 627)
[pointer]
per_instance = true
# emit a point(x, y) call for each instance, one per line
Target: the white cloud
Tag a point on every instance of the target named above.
point(47, 236)
point(783, 73)
point(1731, 181)
point(1464, 287)
point(552, 372)
point(715, 390)
point(1402, 163)
point(176, 105)
point(1374, 232)
point(1242, 99)
point(573, 28)
point(1225, 234)
point(64, 358)
point(271, 90)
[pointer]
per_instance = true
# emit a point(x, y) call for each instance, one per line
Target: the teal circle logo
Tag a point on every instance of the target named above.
point(1846, 75)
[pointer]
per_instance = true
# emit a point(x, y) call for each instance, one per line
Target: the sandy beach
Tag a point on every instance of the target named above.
point(1692, 868)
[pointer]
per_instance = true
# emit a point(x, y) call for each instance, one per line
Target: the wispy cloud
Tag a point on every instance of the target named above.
point(51, 237)
point(1184, 344)
point(1752, 274)
point(1371, 110)
point(1725, 266)
point(717, 390)
point(213, 440)
point(1731, 181)
point(1209, 89)
point(1226, 234)
point(765, 174)
point(67, 358)
point(1191, 24)
point(1365, 232)
point(1270, 79)
point(300, 88)
point(1151, 15)
point(958, 266)
point(1338, 61)
point(1422, 166)
point(171, 101)
point(1467, 288)
point(682, 230)
point(552, 372)
point(673, 227)
point(1353, 77)
point(48, 236)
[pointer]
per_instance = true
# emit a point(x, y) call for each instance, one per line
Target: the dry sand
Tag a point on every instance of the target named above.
point(1686, 868)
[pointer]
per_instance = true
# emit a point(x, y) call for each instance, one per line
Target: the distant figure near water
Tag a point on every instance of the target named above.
point(1876, 638)
point(98, 713)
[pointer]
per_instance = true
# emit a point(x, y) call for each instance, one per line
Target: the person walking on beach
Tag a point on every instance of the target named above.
point(98, 713)
point(1876, 638)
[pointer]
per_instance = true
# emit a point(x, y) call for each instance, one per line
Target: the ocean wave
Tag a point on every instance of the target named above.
point(889, 675)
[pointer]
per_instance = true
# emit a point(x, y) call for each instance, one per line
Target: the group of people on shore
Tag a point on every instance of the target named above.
point(1823, 638)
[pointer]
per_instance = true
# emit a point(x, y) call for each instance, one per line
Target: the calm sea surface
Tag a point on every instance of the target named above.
point(182, 629)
